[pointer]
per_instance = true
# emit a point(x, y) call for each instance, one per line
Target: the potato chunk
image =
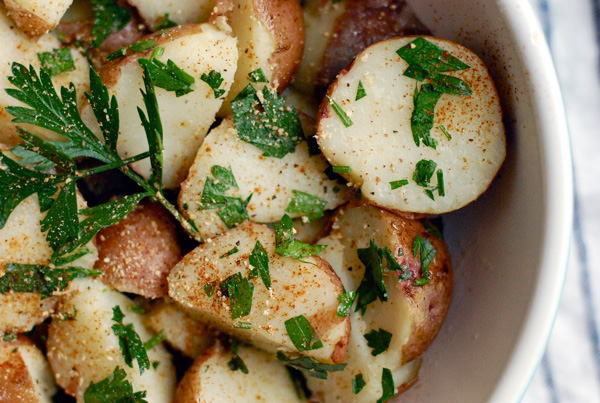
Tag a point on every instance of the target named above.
point(412, 314)
point(180, 11)
point(465, 144)
point(308, 288)
point(36, 17)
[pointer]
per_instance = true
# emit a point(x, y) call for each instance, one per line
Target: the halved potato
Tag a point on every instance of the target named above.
point(210, 379)
point(379, 147)
point(270, 181)
point(198, 50)
point(413, 314)
point(179, 11)
point(308, 287)
point(17, 47)
point(83, 348)
point(22, 241)
point(36, 17)
point(25, 376)
point(182, 332)
point(270, 37)
point(137, 254)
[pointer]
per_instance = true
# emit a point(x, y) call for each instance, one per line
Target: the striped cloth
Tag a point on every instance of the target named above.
point(570, 369)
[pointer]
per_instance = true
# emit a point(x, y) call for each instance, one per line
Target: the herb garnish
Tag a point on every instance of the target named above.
point(168, 76)
point(236, 361)
point(286, 245)
point(379, 341)
point(57, 62)
point(67, 316)
point(358, 383)
point(165, 23)
point(340, 112)
point(109, 17)
point(345, 305)
point(9, 336)
point(398, 184)
point(240, 292)
point(38, 278)
point(260, 260)
point(258, 76)
point(131, 345)
point(155, 340)
point(423, 248)
point(242, 325)
point(302, 334)
point(421, 121)
point(306, 204)
point(267, 122)
point(387, 383)
point(341, 169)
point(229, 252)
point(424, 172)
point(445, 131)
point(114, 388)
point(214, 81)
point(209, 288)
point(137, 47)
point(310, 366)
point(360, 92)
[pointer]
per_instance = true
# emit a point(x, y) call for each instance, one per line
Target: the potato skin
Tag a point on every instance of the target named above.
point(137, 254)
point(30, 23)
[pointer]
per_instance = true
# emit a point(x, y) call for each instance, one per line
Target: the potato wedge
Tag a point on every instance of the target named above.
point(179, 11)
point(22, 241)
point(381, 145)
point(412, 314)
point(270, 199)
point(17, 47)
point(182, 332)
point(36, 17)
point(210, 379)
point(198, 50)
point(270, 37)
point(306, 287)
point(25, 376)
point(137, 254)
point(83, 348)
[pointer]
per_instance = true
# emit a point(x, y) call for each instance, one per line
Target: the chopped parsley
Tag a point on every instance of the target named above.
point(229, 252)
point(109, 17)
point(360, 92)
point(258, 76)
point(236, 362)
point(340, 112)
point(131, 345)
point(421, 121)
point(67, 316)
point(302, 334)
point(398, 184)
point(260, 260)
point(57, 62)
point(310, 366)
point(240, 292)
point(115, 389)
point(387, 383)
point(214, 81)
point(424, 172)
point(136, 308)
point(345, 305)
point(168, 76)
point(242, 325)
point(427, 252)
point(440, 186)
point(341, 169)
point(155, 340)
point(9, 337)
point(358, 383)
point(137, 47)
point(286, 245)
point(431, 229)
point(209, 288)
point(379, 341)
point(445, 131)
point(165, 23)
point(266, 122)
point(306, 204)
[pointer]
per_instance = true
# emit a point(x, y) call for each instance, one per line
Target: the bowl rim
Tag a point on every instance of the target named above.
point(557, 164)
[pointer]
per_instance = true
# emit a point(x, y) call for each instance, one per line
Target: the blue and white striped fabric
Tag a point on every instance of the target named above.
point(570, 369)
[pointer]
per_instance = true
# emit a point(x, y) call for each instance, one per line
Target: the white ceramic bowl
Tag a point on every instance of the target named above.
point(510, 247)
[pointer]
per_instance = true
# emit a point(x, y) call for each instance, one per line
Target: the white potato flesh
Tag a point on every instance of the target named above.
point(307, 287)
point(255, 43)
point(182, 332)
point(17, 47)
point(86, 349)
point(186, 119)
point(211, 380)
point(37, 16)
point(269, 180)
point(22, 241)
point(379, 146)
point(25, 376)
point(180, 11)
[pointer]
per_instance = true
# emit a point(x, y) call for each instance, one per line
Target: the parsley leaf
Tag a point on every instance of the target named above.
point(372, 286)
point(109, 17)
point(137, 47)
point(310, 366)
point(209, 288)
point(424, 248)
point(286, 245)
point(260, 260)
point(57, 62)
point(341, 169)
point(267, 122)
point(358, 383)
point(387, 383)
point(306, 204)
point(229, 252)
point(360, 92)
point(346, 301)
point(302, 334)
point(258, 76)
point(424, 172)
point(214, 81)
point(421, 120)
point(427, 58)
point(131, 345)
point(340, 112)
point(39, 278)
point(114, 388)
point(379, 341)
point(155, 340)
point(153, 129)
point(440, 180)
point(168, 76)
point(236, 361)
point(165, 23)
point(398, 184)
point(240, 292)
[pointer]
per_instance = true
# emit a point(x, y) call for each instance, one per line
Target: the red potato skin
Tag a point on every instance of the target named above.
point(30, 23)
point(16, 384)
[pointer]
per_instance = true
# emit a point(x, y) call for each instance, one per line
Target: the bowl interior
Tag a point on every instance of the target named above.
point(509, 248)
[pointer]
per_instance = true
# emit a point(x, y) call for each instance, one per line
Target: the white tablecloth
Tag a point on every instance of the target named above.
point(570, 369)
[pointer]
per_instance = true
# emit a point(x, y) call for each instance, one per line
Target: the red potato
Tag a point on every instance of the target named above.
point(36, 17)
point(179, 11)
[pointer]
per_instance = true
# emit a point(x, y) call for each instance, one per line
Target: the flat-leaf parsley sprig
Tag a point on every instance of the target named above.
point(56, 189)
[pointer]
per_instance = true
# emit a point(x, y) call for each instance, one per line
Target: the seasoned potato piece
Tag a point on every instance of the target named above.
point(182, 332)
point(381, 146)
point(197, 49)
point(210, 379)
point(308, 287)
point(270, 181)
point(179, 11)
point(83, 347)
point(311, 231)
point(137, 254)
point(412, 314)
point(22, 241)
point(17, 47)
point(270, 37)
point(25, 376)
point(36, 17)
